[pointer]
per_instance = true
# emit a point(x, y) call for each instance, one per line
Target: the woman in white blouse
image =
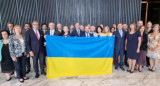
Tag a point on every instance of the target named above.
point(18, 52)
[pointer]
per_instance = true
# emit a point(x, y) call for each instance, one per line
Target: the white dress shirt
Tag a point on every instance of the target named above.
point(52, 32)
point(87, 34)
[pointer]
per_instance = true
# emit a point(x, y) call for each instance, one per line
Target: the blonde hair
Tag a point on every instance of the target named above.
point(105, 28)
point(16, 27)
point(156, 25)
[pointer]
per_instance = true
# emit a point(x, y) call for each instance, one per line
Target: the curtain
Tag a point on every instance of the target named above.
point(69, 12)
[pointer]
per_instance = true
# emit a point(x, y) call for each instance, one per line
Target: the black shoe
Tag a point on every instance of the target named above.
point(122, 68)
point(116, 68)
point(131, 71)
point(149, 69)
point(147, 65)
point(21, 80)
point(27, 71)
point(37, 76)
point(9, 79)
point(43, 73)
point(25, 78)
point(12, 72)
point(153, 70)
point(128, 70)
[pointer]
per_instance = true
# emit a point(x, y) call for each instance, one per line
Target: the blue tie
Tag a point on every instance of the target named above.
point(121, 33)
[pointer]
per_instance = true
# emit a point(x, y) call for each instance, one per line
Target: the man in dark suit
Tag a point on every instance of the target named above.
point(87, 33)
point(71, 29)
point(52, 30)
point(59, 28)
point(27, 26)
point(125, 28)
point(10, 26)
point(92, 30)
point(77, 32)
point(35, 47)
point(139, 24)
point(120, 37)
point(44, 28)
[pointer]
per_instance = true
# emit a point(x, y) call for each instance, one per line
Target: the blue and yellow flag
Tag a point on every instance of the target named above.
point(69, 56)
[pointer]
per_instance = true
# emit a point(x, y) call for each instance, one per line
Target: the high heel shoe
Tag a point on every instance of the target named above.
point(136, 69)
point(131, 71)
point(149, 69)
point(9, 79)
point(128, 70)
point(153, 70)
point(140, 70)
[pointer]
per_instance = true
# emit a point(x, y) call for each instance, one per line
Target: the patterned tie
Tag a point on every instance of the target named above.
point(37, 35)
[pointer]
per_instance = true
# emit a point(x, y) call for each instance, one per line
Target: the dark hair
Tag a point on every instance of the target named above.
point(141, 27)
point(27, 23)
point(10, 23)
point(119, 23)
point(111, 28)
point(44, 24)
point(99, 27)
point(4, 31)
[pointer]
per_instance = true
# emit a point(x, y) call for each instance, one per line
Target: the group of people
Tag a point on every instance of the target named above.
point(136, 46)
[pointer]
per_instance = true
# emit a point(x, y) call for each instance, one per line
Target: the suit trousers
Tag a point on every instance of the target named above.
point(117, 54)
point(39, 56)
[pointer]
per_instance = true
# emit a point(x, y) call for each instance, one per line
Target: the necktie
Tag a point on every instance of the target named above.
point(121, 33)
point(37, 35)
point(10, 31)
point(78, 32)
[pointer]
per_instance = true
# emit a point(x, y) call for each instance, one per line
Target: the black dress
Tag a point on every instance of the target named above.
point(132, 44)
point(6, 63)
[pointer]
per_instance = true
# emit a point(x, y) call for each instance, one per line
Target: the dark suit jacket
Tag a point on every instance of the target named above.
point(119, 41)
point(44, 32)
point(11, 33)
point(75, 33)
point(84, 35)
point(56, 33)
point(144, 42)
point(32, 43)
point(61, 33)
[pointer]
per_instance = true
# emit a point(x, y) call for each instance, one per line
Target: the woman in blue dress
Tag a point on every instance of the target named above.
point(133, 42)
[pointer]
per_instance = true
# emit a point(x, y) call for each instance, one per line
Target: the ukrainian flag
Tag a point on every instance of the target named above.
point(69, 56)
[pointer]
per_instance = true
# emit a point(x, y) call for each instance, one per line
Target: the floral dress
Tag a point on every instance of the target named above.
point(153, 42)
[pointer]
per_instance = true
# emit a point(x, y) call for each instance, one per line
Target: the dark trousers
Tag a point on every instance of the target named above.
point(117, 54)
point(125, 58)
point(147, 59)
point(45, 54)
point(20, 66)
point(41, 57)
point(28, 64)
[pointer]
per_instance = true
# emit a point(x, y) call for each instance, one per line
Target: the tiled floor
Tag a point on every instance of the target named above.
point(117, 78)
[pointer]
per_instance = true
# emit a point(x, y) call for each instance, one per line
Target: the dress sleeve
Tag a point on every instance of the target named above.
point(138, 34)
point(148, 39)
